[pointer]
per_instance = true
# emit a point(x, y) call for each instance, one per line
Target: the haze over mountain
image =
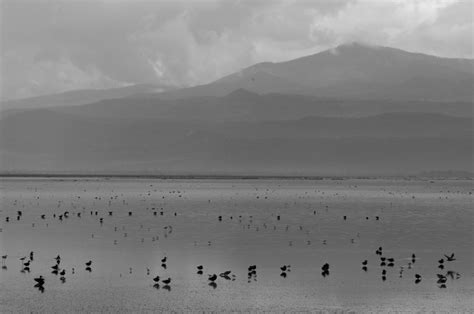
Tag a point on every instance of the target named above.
point(272, 118)
point(80, 97)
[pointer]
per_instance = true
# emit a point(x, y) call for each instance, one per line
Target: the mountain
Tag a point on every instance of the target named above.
point(353, 110)
point(243, 105)
point(80, 97)
point(50, 141)
point(351, 71)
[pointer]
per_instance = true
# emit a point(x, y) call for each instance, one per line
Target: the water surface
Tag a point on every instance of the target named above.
point(268, 223)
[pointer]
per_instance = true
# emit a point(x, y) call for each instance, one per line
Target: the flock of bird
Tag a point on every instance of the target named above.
point(165, 282)
point(385, 262)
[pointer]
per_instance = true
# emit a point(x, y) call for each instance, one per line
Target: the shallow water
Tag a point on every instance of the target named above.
point(422, 217)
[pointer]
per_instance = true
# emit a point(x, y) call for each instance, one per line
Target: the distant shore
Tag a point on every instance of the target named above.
point(423, 176)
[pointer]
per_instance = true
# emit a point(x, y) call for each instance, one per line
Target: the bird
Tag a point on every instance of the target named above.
point(441, 279)
point(225, 274)
point(63, 272)
point(417, 276)
point(285, 267)
point(156, 279)
point(450, 258)
point(166, 281)
point(212, 277)
point(55, 267)
point(200, 267)
point(89, 263)
point(163, 260)
point(453, 274)
point(39, 280)
point(441, 261)
point(364, 262)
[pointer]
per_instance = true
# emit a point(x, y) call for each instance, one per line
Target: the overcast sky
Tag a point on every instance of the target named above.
point(58, 45)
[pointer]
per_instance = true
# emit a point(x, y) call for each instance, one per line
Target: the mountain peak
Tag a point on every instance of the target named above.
point(354, 48)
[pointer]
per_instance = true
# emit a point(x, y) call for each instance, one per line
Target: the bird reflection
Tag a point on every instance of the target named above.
point(213, 285)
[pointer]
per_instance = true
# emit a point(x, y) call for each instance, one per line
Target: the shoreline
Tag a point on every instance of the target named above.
point(226, 177)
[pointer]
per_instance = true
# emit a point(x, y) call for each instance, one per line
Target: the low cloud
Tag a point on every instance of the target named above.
point(58, 45)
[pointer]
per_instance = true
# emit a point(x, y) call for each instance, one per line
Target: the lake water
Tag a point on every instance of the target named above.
point(267, 223)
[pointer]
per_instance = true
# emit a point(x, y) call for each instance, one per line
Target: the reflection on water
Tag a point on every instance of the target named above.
point(150, 245)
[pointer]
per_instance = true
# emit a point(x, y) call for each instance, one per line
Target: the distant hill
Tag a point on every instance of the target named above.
point(80, 97)
point(52, 141)
point(352, 71)
point(243, 105)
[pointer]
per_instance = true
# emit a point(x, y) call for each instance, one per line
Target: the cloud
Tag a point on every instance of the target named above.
point(56, 45)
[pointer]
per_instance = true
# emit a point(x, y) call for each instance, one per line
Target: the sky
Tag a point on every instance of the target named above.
point(51, 46)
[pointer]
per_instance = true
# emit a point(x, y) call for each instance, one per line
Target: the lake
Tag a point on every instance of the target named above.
point(228, 225)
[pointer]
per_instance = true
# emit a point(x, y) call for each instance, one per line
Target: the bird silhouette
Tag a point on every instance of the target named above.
point(441, 279)
point(450, 258)
point(224, 274)
point(39, 280)
point(418, 278)
point(453, 274)
point(285, 267)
